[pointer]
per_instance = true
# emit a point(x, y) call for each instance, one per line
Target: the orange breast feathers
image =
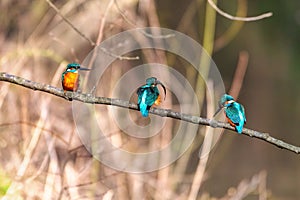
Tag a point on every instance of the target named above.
point(71, 81)
point(157, 101)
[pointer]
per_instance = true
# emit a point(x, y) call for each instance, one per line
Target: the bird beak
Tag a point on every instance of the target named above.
point(219, 109)
point(84, 69)
point(158, 82)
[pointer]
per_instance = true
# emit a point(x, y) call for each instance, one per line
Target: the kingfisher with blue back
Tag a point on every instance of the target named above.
point(148, 95)
point(234, 112)
point(70, 77)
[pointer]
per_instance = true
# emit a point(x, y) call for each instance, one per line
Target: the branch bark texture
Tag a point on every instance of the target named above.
point(90, 98)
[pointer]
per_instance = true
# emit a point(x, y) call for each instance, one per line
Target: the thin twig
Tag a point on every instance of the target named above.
point(70, 23)
point(239, 75)
point(89, 98)
point(246, 19)
point(102, 23)
point(34, 125)
point(206, 147)
point(234, 29)
point(92, 43)
point(119, 57)
point(131, 23)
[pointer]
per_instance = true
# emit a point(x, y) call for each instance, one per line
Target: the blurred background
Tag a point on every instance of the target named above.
point(41, 157)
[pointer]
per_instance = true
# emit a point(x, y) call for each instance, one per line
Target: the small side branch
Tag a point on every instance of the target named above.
point(246, 19)
point(70, 23)
point(89, 98)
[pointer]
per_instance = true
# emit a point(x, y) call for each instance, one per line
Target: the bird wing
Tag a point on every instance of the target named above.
point(140, 92)
point(147, 96)
point(243, 112)
point(141, 89)
point(152, 95)
point(233, 112)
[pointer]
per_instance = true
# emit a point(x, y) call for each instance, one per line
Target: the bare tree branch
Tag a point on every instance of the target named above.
point(239, 74)
point(246, 19)
point(100, 34)
point(69, 22)
point(89, 98)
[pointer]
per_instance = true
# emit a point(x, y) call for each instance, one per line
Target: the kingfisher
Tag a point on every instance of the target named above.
point(70, 77)
point(148, 95)
point(234, 112)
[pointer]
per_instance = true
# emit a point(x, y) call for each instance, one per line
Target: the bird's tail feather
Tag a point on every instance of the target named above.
point(239, 128)
point(144, 109)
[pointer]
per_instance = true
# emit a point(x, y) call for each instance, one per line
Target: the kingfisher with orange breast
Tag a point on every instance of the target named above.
point(148, 95)
point(70, 77)
point(234, 112)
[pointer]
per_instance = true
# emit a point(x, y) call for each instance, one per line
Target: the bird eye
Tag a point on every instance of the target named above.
point(70, 69)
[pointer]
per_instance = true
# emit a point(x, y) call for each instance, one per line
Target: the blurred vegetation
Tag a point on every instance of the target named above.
point(40, 154)
point(4, 183)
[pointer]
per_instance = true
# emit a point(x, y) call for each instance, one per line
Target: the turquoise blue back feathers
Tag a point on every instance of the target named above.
point(148, 94)
point(235, 112)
